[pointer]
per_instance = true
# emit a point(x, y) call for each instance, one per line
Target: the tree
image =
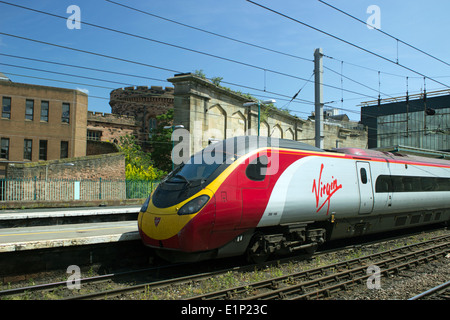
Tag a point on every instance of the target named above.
point(138, 164)
point(160, 142)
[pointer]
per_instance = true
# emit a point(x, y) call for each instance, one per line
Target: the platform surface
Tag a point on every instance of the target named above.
point(29, 238)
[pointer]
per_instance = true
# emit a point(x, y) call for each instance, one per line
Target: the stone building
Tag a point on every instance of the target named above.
point(144, 104)
point(210, 112)
point(40, 123)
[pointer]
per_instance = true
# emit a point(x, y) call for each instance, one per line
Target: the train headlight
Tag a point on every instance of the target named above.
point(145, 205)
point(194, 205)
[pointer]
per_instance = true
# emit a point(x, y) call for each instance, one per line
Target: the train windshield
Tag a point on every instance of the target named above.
point(201, 166)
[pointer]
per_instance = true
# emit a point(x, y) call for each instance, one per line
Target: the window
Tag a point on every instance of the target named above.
point(386, 183)
point(94, 135)
point(29, 110)
point(64, 149)
point(256, 170)
point(152, 125)
point(4, 148)
point(42, 149)
point(65, 117)
point(44, 111)
point(6, 108)
point(363, 175)
point(27, 149)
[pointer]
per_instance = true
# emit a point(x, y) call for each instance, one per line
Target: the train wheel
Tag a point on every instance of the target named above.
point(257, 251)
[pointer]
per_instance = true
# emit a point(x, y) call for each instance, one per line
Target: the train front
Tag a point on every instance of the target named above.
point(178, 217)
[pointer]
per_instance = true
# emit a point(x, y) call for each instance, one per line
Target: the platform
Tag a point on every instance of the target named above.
point(34, 217)
point(42, 237)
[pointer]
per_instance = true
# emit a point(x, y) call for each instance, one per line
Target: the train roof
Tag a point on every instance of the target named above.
point(397, 156)
point(244, 144)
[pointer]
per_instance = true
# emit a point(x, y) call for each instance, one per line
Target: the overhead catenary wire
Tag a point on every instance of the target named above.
point(346, 42)
point(387, 34)
point(146, 64)
point(264, 69)
point(391, 134)
point(140, 103)
point(278, 94)
point(225, 82)
point(256, 89)
point(209, 32)
point(157, 41)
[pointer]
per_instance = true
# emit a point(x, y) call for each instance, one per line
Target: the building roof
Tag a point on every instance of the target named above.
point(3, 77)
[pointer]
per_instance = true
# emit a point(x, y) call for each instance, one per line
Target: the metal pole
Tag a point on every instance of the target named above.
point(318, 90)
point(259, 116)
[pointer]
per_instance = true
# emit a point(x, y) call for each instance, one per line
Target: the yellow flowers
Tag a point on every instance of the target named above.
point(133, 172)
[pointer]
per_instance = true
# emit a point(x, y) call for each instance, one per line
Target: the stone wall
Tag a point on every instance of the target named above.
point(100, 147)
point(209, 112)
point(144, 104)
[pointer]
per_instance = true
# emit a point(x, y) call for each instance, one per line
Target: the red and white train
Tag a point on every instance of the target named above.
point(257, 196)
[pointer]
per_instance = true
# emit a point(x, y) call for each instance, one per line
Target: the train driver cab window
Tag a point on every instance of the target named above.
point(256, 170)
point(363, 175)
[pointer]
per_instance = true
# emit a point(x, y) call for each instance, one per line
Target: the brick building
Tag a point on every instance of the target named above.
point(109, 127)
point(40, 123)
point(143, 104)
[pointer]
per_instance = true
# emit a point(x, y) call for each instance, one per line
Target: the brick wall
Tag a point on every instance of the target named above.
point(105, 166)
point(111, 126)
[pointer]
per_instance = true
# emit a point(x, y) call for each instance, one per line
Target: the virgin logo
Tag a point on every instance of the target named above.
point(157, 220)
point(324, 191)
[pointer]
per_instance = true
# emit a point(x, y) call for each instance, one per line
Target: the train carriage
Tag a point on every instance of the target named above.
point(257, 196)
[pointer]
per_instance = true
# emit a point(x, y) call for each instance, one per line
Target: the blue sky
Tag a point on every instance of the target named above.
point(422, 24)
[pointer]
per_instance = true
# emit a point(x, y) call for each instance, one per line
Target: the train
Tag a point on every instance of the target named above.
point(256, 196)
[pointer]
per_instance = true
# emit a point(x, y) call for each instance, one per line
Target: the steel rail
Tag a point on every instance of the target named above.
point(94, 279)
point(433, 291)
point(274, 283)
point(354, 276)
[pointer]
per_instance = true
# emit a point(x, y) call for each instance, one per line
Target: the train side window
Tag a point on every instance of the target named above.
point(363, 175)
point(387, 183)
point(256, 170)
point(383, 184)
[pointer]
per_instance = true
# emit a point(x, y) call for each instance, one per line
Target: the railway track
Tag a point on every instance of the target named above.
point(324, 281)
point(325, 278)
point(441, 291)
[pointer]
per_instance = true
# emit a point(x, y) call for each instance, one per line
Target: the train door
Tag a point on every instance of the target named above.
point(365, 187)
point(255, 191)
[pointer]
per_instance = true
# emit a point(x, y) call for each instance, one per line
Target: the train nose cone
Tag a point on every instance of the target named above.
point(162, 227)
